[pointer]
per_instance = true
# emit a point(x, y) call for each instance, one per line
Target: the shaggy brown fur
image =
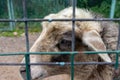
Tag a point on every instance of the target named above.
point(56, 36)
point(110, 38)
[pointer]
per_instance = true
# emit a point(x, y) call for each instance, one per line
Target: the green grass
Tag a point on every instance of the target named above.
point(19, 30)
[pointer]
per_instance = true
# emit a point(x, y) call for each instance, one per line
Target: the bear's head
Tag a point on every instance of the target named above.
point(56, 36)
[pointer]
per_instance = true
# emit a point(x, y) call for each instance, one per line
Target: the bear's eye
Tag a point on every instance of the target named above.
point(65, 44)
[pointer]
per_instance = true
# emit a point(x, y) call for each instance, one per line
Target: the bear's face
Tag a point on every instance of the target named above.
point(58, 40)
point(57, 37)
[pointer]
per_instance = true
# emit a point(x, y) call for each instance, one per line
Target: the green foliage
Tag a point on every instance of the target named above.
point(117, 12)
point(3, 9)
point(41, 8)
point(100, 6)
point(104, 8)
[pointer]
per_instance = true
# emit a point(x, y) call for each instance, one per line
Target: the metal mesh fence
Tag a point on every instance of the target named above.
point(13, 12)
point(72, 63)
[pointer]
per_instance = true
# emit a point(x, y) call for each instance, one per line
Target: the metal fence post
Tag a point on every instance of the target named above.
point(112, 11)
point(27, 56)
point(118, 48)
point(11, 13)
point(73, 39)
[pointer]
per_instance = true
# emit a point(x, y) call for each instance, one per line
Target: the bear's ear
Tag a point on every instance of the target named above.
point(93, 40)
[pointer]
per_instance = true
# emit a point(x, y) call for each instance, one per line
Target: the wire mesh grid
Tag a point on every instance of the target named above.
point(72, 63)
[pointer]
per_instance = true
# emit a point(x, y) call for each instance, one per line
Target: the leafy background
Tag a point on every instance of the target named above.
point(40, 8)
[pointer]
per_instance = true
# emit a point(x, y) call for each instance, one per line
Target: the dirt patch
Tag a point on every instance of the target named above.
point(13, 44)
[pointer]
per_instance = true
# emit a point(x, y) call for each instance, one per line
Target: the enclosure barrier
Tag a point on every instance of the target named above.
point(72, 63)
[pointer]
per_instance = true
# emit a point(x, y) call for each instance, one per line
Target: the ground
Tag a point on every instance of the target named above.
point(13, 44)
point(16, 44)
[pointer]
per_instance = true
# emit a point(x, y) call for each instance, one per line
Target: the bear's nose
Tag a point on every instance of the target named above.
point(34, 76)
point(23, 72)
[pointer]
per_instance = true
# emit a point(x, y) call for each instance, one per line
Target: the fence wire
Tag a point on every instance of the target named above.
point(72, 63)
